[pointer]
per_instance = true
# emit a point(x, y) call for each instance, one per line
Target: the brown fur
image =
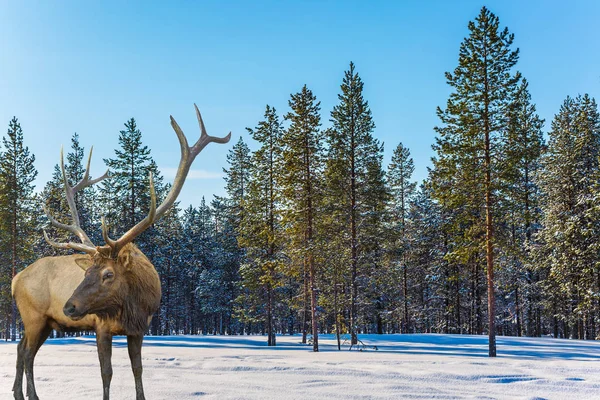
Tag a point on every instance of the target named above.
point(43, 288)
point(125, 307)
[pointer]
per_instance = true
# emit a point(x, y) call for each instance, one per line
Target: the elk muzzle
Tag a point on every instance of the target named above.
point(73, 311)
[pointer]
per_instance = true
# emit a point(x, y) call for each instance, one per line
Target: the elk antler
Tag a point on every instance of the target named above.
point(188, 154)
point(86, 244)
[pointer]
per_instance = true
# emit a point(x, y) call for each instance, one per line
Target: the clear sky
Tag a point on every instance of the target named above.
point(86, 67)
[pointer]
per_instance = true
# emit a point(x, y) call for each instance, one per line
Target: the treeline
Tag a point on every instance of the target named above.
point(317, 235)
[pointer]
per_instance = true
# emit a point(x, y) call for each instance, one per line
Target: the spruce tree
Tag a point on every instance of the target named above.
point(569, 237)
point(424, 256)
point(474, 126)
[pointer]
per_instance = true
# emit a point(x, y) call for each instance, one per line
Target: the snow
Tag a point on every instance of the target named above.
point(243, 367)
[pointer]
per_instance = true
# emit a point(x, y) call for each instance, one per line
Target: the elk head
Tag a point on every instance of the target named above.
point(119, 280)
point(103, 290)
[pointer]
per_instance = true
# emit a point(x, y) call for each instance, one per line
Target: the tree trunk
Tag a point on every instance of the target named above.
point(337, 314)
point(489, 225)
point(309, 244)
point(354, 242)
point(490, 255)
point(313, 305)
point(305, 306)
point(269, 321)
point(405, 293)
point(518, 311)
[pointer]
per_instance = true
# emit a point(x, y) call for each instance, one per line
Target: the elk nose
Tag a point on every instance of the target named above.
point(69, 309)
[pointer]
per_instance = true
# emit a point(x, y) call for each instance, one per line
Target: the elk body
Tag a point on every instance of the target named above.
point(112, 289)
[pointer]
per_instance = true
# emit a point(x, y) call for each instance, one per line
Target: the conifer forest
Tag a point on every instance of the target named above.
point(316, 235)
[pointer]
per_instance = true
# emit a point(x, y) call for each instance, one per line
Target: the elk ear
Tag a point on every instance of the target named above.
point(84, 263)
point(125, 259)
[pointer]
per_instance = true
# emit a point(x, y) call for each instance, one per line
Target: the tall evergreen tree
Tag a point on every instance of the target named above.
point(571, 225)
point(335, 242)
point(302, 163)
point(402, 190)
point(424, 256)
point(17, 174)
point(236, 178)
point(351, 143)
point(261, 231)
point(524, 144)
point(474, 126)
point(129, 179)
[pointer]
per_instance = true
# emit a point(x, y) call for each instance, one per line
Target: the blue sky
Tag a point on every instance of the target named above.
point(87, 67)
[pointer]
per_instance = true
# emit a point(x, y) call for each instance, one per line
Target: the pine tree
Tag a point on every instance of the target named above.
point(521, 201)
point(473, 128)
point(236, 178)
point(129, 185)
point(402, 190)
point(302, 166)
point(350, 145)
point(17, 174)
point(335, 242)
point(261, 232)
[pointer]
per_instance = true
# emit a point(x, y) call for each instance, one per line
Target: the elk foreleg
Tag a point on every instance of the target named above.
point(134, 346)
point(104, 344)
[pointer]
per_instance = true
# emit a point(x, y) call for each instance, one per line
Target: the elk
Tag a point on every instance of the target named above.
point(111, 289)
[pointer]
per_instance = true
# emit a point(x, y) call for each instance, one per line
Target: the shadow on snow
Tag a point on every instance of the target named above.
point(408, 344)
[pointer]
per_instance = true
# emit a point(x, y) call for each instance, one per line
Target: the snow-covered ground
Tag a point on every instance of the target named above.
point(242, 367)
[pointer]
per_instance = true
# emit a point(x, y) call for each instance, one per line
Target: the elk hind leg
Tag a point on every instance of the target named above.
point(35, 335)
point(18, 385)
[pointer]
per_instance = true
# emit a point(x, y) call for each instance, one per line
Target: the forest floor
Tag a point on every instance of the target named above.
point(243, 367)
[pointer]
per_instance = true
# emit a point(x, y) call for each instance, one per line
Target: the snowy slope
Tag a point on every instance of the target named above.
point(242, 367)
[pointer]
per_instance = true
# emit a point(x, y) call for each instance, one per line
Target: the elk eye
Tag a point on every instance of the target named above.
point(108, 275)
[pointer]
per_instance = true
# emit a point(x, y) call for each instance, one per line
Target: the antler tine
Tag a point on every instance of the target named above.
point(86, 181)
point(117, 245)
point(69, 191)
point(107, 239)
point(205, 138)
point(70, 245)
point(188, 154)
point(75, 228)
